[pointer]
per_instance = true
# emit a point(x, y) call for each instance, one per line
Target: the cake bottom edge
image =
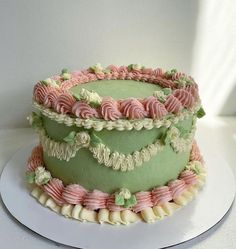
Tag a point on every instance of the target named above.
point(73, 201)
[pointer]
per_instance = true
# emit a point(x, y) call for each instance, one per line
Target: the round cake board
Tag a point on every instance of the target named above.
point(208, 208)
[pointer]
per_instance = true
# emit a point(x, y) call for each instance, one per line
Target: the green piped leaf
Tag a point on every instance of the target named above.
point(94, 104)
point(130, 67)
point(166, 91)
point(50, 82)
point(170, 72)
point(76, 96)
point(95, 140)
point(196, 170)
point(130, 202)
point(201, 113)
point(119, 200)
point(64, 70)
point(35, 120)
point(107, 70)
point(30, 177)
point(165, 138)
point(45, 180)
point(184, 133)
point(66, 76)
point(70, 139)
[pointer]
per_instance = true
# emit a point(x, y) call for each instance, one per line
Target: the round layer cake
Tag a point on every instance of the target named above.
point(116, 143)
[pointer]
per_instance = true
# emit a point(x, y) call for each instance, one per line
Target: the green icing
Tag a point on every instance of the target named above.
point(118, 89)
point(85, 170)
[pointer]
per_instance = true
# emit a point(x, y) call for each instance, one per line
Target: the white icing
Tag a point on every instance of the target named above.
point(120, 124)
point(115, 160)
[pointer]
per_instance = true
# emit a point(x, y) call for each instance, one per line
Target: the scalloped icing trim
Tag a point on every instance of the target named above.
point(115, 160)
point(125, 217)
point(120, 124)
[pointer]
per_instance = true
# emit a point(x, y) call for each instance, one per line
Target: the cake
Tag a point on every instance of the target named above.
point(116, 144)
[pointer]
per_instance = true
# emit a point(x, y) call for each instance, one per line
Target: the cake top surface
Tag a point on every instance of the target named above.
point(118, 89)
point(117, 93)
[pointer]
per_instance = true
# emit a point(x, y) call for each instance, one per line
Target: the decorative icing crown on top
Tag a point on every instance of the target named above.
point(178, 91)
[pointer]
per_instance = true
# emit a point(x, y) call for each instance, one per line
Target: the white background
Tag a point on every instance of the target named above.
point(39, 38)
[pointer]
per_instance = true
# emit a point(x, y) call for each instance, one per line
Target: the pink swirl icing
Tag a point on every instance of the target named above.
point(74, 194)
point(112, 206)
point(176, 187)
point(34, 162)
point(195, 154)
point(137, 74)
point(67, 84)
point(48, 96)
point(193, 90)
point(109, 109)
point(113, 68)
point(83, 110)
point(177, 76)
point(144, 200)
point(122, 72)
point(114, 72)
point(36, 158)
point(154, 107)
point(147, 71)
point(40, 91)
point(37, 151)
point(188, 177)
point(186, 98)
point(76, 74)
point(172, 104)
point(147, 74)
point(54, 189)
point(164, 82)
point(132, 109)
point(51, 97)
point(91, 76)
point(95, 200)
point(161, 195)
point(64, 103)
point(158, 72)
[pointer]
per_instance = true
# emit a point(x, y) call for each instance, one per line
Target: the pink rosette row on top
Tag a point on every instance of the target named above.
point(110, 109)
point(59, 99)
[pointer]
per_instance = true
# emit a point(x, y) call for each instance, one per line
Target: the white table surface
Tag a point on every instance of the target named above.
point(217, 132)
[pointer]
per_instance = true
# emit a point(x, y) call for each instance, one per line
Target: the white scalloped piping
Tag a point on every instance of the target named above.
point(115, 159)
point(120, 124)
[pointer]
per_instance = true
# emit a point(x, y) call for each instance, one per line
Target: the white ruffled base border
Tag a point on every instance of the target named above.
point(149, 215)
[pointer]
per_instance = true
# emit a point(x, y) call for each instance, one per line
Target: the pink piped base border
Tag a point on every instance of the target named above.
point(95, 200)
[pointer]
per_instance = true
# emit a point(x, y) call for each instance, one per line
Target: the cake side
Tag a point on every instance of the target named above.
point(156, 170)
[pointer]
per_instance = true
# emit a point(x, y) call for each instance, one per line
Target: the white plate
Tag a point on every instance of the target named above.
point(209, 207)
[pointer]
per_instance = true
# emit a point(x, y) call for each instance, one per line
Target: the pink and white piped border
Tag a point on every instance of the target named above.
point(62, 101)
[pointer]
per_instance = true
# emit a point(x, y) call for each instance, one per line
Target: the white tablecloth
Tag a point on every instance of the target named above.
point(218, 132)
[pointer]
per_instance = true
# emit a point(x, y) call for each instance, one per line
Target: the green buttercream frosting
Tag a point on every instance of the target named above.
point(86, 171)
point(118, 89)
